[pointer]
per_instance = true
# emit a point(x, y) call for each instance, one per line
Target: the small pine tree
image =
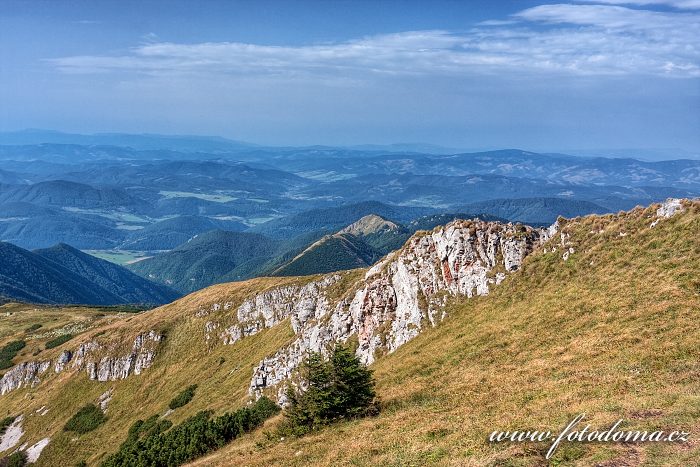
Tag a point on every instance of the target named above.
point(340, 387)
point(353, 385)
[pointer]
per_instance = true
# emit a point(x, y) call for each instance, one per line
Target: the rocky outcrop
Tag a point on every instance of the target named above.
point(269, 308)
point(102, 363)
point(398, 297)
point(112, 368)
point(669, 207)
point(62, 360)
point(22, 375)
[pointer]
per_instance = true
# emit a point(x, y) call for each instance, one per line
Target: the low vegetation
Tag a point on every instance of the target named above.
point(17, 459)
point(9, 351)
point(183, 398)
point(33, 328)
point(88, 418)
point(4, 423)
point(58, 341)
point(154, 443)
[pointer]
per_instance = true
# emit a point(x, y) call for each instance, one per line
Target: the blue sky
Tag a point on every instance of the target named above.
point(530, 74)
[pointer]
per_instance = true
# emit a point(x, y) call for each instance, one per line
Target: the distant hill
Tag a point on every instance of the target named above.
point(65, 193)
point(117, 280)
point(358, 245)
point(207, 259)
point(536, 210)
point(32, 226)
point(336, 218)
point(184, 143)
point(170, 233)
point(64, 275)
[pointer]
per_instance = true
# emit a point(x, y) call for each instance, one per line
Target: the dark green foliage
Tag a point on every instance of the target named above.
point(33, 327)
point(152, 443)
point(58, 341)
point(81, 464)
point(18, 459)
point(4, 423)
point(183, 398)
point(339, 388)
point(86, 419)
point(8, 352)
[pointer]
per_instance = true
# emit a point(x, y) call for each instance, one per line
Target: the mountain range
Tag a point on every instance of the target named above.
point(112, 192)
point(65, 275)
point(596, 314)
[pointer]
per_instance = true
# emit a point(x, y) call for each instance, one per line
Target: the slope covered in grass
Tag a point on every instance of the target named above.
point(613, 332)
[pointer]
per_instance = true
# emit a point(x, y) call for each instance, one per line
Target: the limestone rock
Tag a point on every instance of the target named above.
point(63, 360)
point(669, 207)
point(22, 375)
point(398, 297)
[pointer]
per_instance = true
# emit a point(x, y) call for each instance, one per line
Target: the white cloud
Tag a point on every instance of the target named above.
point(561, 38)
point(680, 4)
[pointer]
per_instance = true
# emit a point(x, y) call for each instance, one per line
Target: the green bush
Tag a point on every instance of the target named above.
point(18, 459)
point(153, 442)
point(86, 419)
point(8, 352)
point(58, 341)
point(183, 398)
point(338, 388)
point(33, 327)
point(4, 423)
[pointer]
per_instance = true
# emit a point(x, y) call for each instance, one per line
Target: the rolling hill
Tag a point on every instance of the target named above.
point(536, 210)
point(358, 245)
point(597, 317)
point(169, 233)
point(116, 280)
point(64, 275)
point(207, 259)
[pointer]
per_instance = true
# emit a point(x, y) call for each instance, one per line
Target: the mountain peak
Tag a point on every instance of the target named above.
point(368, 225)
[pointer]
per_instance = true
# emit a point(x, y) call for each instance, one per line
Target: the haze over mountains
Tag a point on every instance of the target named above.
point(200, 210)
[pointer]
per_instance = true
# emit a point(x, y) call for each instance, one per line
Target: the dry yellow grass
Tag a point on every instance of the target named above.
point(612, 332)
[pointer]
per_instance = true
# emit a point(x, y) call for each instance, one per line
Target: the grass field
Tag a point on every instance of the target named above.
point(120, 257)
point(215, 197)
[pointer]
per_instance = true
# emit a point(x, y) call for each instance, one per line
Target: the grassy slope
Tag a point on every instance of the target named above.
point(184, 358)
point(612, 332)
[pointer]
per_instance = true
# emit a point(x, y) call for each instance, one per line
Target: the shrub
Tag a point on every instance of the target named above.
point(339, 388)
point(183, 398)
point(58, 341)
point(33, 327)
point(8, 352)
point(153, 442)
point(18, 459)
point(4, 423)
point(86, 419)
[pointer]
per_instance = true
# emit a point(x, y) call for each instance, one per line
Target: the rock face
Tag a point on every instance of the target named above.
point(397, 298)
point(63, 360)
point(102, 364)
point(669, 207)
point(23, 374)
point(112, 368)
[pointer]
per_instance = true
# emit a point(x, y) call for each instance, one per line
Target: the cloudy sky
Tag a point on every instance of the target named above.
point(527, 74)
